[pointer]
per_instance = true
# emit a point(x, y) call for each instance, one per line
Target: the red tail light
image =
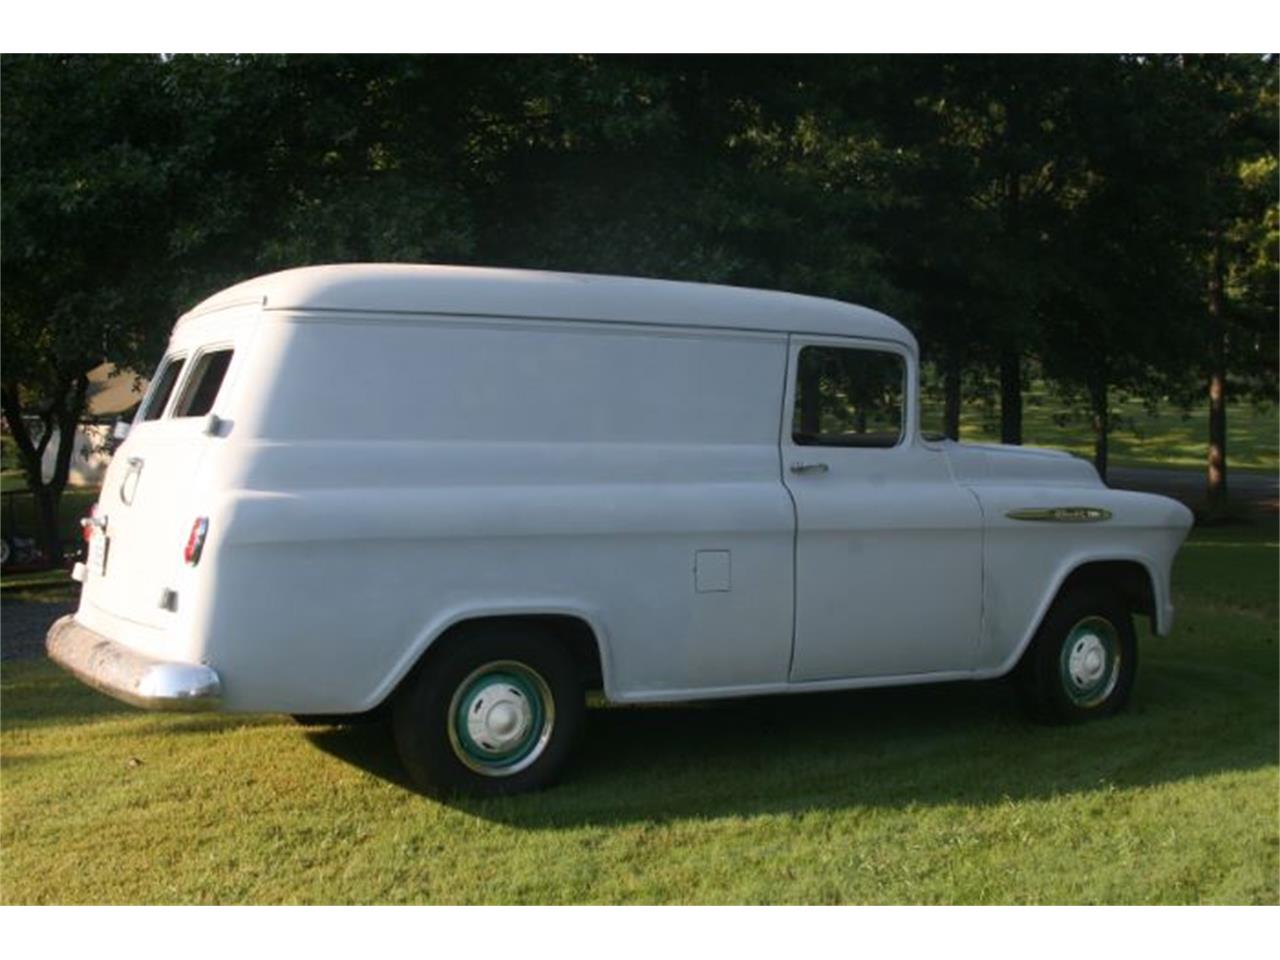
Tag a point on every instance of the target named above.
point(88, 522)
point(195, 542)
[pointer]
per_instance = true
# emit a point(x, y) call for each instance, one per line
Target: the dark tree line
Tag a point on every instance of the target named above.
point(1111, 220)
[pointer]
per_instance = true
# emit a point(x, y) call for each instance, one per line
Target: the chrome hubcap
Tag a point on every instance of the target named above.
point(500, 718)
point(1090, 662)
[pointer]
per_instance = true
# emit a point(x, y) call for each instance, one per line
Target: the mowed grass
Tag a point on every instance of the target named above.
point(926, 795)
point(40, 586)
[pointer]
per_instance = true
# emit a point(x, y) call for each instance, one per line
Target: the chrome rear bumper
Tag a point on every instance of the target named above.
point(128, 675)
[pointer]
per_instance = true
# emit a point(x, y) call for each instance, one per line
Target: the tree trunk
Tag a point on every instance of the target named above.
point(951, 398)
point(1101, 425)
point(47, 501)
point(1010, 356)
point(1010, 396)
point(1217, 488)
point(61, 418)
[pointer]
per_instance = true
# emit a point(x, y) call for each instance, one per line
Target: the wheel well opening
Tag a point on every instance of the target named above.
point(572, 631)
point(1128, 577)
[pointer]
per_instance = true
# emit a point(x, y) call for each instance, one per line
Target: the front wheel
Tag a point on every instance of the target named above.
point(494, 712)
point(1083, 659)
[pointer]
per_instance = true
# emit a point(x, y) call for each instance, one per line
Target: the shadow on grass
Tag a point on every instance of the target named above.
point(947, 744)
point(1205, 704)
point(38, 693)
point(964, 744)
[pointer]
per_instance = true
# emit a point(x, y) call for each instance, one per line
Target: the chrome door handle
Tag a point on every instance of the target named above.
point(134, 471)
point(809, 468)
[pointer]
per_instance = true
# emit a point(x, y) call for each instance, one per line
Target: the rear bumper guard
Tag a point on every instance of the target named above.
point(131, 676)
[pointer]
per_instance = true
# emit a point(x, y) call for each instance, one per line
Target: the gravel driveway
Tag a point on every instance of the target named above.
point(23, 625)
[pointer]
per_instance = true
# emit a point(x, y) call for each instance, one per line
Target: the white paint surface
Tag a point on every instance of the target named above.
point(405, 448)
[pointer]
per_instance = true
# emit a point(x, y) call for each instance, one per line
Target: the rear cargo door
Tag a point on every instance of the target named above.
point(155, 489)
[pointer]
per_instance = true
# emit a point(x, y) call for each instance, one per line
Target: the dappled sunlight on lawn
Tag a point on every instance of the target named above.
point(1138, 438)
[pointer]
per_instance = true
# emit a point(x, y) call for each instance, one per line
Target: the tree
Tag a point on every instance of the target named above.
point(986, 172)
point(1118, 307)
point(1001, 120)
point(88, 172)
point(1235, 99)
point(1011, 210)
point(133, 186)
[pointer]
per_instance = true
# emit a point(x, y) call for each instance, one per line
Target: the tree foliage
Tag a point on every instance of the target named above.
point(1109, 219)
point(86, 179)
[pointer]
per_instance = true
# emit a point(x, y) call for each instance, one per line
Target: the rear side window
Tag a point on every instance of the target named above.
point(203, 384)
point(165, 381)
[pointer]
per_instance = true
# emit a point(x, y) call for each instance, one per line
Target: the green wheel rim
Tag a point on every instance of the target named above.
point(500, 718)
point(1089, 664)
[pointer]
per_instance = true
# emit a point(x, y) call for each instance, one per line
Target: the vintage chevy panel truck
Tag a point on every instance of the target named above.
point(469, 495)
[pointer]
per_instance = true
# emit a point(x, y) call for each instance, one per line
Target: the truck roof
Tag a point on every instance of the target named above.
point(428, 289)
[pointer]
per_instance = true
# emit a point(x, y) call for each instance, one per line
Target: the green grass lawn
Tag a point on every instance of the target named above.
point(1168, 438)
point(40, 586)
point(927, 795)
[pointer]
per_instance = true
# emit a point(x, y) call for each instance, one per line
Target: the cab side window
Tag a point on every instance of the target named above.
point(848, 397)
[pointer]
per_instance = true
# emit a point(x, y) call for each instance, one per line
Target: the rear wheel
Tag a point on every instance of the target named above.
point(1083, 659)
point(496, 711)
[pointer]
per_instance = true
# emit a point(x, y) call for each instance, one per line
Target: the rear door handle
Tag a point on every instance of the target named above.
point(133, 473)
point(809, 468)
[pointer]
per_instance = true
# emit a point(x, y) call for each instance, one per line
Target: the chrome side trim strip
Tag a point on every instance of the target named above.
point(1061, 514)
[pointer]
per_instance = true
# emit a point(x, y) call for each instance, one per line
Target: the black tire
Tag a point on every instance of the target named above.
point(1083, 660)
point(521, 669)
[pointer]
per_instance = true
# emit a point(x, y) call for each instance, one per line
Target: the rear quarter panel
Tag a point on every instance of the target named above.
point(394, 478)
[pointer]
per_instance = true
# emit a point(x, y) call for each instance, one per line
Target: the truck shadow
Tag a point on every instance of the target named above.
point(946, 744)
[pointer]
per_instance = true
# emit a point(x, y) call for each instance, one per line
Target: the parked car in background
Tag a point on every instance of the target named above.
point(468, 496)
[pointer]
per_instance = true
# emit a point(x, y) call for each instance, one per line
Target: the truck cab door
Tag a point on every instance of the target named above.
point(888, 548)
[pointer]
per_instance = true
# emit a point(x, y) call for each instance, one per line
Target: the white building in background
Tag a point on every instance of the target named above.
point(112, 393)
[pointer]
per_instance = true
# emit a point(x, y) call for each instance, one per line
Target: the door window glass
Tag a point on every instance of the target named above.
point(165, 380)
point(848, 398)
point(202, 386)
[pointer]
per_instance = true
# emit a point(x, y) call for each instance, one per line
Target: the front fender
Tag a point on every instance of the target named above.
point(1026, 562)
point(1159, 583)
